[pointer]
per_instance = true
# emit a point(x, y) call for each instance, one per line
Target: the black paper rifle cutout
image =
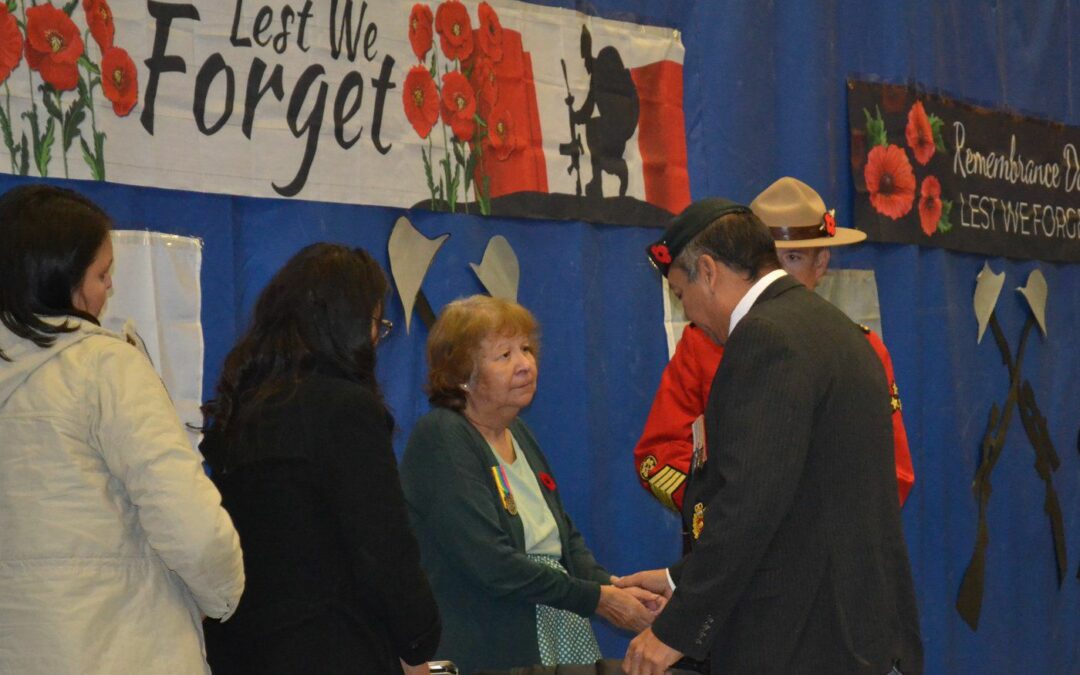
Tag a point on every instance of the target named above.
point(573, 149)
point(1021, 397)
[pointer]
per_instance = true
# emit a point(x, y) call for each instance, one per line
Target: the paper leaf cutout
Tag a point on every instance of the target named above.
point(499, 270)
point(1035, 293)
point(987, 289)
point(411, 254)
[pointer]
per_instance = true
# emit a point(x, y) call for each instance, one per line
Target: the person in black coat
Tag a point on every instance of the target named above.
point(298, 440)
point(798, 563)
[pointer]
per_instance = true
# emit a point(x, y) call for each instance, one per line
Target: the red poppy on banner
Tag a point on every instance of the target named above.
point(420, 30)
point(11, 43)
point(119, 80)
point(100, 19)
point(53, 46)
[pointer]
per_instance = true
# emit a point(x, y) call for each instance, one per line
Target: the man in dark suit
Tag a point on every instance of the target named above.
point(799, 563)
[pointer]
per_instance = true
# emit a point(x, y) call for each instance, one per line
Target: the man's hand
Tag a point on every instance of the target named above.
point(654, 581)
point(647, 655)
point(623, 609)
point(421, 669)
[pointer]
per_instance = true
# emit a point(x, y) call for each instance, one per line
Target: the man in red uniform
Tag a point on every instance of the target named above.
point(804, 231)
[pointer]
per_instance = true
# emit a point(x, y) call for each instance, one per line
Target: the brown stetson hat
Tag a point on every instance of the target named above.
point(797, 217)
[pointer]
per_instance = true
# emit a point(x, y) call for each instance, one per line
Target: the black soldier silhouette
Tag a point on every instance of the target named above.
point(614, 98)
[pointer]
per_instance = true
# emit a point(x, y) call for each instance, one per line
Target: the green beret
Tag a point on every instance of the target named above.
point(687, 225)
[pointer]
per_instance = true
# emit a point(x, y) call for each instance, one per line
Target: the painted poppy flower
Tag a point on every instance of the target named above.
point(53, 46)
point(100, 19)
point(455, 30)
point(920, 137)
point(547, 480)
point(660, 253)
point(484, 83)
point(421, 100)
point(490, 34)
point(930, 204)
point(119, 80)
point(890, 180)
point(501, 137)
point(420, 30)
point(459, 105)
point(11, 43)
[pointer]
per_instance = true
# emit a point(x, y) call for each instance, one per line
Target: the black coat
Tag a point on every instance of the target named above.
point(801, 565)
point(333, 569)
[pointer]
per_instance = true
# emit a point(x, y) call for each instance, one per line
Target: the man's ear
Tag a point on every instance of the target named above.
point(821, 262)
point(707, 271)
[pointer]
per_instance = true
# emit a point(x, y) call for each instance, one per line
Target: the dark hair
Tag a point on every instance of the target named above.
point(316, 311)
point(49, 236)
point(739, 240)
point(455, 339)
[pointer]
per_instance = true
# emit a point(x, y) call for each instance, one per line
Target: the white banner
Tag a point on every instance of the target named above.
point(318, 100)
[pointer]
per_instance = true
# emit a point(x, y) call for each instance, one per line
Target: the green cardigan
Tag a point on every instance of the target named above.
point(473, 550)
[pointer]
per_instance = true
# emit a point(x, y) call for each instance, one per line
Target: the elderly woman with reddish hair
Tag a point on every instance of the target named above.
point(513, 577)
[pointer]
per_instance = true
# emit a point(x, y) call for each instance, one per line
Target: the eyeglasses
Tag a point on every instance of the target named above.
point(385, 326)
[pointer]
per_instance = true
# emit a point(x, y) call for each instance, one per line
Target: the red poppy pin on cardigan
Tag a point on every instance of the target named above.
point(547, 481)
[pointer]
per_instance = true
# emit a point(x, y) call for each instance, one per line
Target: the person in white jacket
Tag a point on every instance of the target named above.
point(113, 542)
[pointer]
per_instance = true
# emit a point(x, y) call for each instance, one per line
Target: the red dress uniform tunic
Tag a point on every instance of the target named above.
point(664, 451)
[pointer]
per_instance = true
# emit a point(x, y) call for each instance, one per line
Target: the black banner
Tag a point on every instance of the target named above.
point(933, 171)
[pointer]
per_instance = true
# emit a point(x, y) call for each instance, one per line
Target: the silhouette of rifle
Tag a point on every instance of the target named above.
point(1021, 396)
point(573, 149)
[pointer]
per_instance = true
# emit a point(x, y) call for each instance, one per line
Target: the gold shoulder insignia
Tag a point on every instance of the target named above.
point(664, 483)
point(894, 398)
point(698, 523)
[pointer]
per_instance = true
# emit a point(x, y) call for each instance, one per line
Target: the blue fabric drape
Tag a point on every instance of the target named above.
point(765, 97)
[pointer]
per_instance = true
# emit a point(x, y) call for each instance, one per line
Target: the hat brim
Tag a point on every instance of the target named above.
point(843, 237)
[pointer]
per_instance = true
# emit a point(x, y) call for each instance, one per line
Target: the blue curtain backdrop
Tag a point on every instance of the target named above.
point(765, 97)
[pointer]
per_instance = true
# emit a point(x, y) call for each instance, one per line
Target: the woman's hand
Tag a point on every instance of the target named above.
point(624, 609)
point(421, 669)
point(655, 581)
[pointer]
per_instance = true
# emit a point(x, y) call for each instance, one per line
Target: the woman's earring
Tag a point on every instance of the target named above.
point(464, 386)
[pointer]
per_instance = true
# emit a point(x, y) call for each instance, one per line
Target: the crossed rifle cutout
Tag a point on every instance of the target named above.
point(1020, 397)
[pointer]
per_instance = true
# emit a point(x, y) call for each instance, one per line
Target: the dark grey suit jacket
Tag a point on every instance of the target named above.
point(801, 565)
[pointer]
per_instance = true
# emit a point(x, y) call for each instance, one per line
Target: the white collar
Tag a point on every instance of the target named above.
point(751, 297)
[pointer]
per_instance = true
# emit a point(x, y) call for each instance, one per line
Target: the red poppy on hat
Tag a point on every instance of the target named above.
point(661, 253)
point(547, 480)
point(829, 222)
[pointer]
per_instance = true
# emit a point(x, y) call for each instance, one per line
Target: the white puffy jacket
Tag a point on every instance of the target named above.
point(113, 542)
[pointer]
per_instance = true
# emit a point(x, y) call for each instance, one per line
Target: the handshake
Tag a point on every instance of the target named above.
point(633, 601)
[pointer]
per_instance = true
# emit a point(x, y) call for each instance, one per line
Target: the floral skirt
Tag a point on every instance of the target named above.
point(563, 637)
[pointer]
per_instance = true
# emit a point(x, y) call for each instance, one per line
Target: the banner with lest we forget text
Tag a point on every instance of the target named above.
point(932, 171)
point(498, 107)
